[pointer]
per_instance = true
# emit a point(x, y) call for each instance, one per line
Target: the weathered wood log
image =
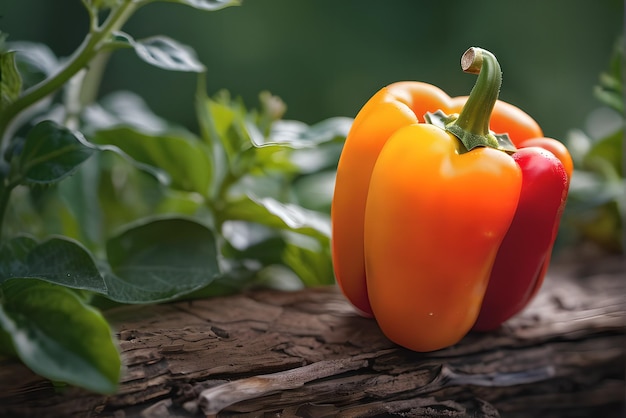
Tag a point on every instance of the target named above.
point(307, 354)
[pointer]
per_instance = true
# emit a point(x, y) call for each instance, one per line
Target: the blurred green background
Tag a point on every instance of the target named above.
point(325, 58)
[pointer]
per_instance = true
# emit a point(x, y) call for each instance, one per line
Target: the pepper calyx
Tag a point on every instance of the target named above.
point(470, 140)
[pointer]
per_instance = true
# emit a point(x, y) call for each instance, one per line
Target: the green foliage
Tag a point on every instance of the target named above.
point(105, 203)
point(10, 80)
point(270, 212)
point(186, 161)
point(156, 260)
point(56, 260)
point(610, 90)
point(56, 334)
point(162, 52)
point(597, 204)
point(49, 154)
point(159, 260)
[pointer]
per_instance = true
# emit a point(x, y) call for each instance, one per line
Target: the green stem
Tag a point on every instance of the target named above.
point(82, 89)
point(476, 113)
point(5, 193)
point(472, 124)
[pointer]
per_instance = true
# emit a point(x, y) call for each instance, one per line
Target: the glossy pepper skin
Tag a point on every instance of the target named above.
point(524, 255)
point(420, 222)
point(432, 231)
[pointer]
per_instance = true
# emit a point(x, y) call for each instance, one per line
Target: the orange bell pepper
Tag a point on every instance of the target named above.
point(419, 214)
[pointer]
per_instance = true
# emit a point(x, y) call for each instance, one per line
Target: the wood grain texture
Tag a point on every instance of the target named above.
point(307, 354)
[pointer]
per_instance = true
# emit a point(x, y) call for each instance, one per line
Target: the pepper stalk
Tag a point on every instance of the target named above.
point(471, 126)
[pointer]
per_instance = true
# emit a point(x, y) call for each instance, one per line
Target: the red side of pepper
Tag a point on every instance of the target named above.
point(523, 256)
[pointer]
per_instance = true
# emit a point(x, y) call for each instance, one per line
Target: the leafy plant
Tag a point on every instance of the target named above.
point(105, 203)
point(597, 204)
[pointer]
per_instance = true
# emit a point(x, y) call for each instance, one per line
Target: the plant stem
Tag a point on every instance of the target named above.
point(472, 125)
point(5, 194)
point(82, 89)
point(4, 202)
point(476, 113)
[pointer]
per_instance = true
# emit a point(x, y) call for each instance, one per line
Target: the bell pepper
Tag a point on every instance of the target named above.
point(440, 226)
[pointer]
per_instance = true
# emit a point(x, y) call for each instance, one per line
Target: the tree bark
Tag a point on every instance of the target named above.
point(308, 354)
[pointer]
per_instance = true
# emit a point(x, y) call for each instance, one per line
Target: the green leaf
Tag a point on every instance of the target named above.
point(58, 336)
point(609, 151)
point(51, 152)
point(315, 191)
point(278, 277)
point(159, 260)
point(124, 108)
point(35, 62)
point(257, 142)
point(310, 259)
point(286, 216)
point(224, 122)
point(14, 257)
point(208, 5)
point(156, 172)
point(186, 160)
point(610, 91)
point(162, 52)
point(252, 241)
point(56, 260)
point(299, 135)
point(10, 79)
point(236, 276)
point(79, 206)
point(296, 147)
point(152, 261)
